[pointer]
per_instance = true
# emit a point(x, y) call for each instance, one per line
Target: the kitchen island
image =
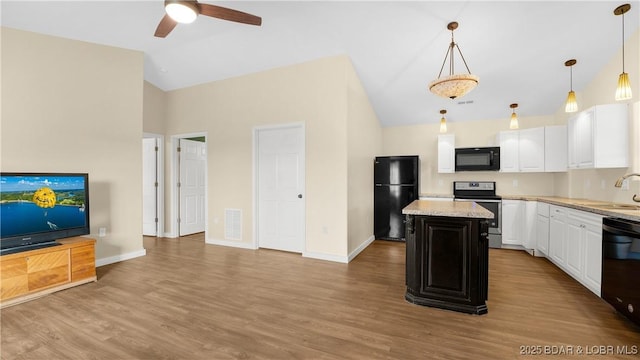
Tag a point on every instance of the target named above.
point(447, 255)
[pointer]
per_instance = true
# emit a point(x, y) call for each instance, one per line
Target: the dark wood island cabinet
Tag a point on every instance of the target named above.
point(447, 255)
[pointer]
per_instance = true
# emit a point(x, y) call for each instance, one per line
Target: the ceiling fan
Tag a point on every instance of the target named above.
point(186, 11)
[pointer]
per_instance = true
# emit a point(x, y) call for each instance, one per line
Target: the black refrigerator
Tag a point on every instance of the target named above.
point(395, 186)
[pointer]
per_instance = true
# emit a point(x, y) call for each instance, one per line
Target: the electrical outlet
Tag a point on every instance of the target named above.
point(102, 232)
point(515, 183)
point(625, 184)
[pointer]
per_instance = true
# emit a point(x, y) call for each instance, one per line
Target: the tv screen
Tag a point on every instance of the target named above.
point(38, 208)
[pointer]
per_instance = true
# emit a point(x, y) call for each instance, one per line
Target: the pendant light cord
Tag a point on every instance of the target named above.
point(622, 42)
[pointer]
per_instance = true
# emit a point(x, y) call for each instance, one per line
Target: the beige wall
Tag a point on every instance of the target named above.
point(227, 111)
point(154, 110)
point(70, 106)
point(364, 143)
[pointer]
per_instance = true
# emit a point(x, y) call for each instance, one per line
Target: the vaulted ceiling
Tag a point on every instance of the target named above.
point(517, 48)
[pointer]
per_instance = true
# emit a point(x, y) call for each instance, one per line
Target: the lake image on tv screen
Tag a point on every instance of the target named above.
point(34, 204)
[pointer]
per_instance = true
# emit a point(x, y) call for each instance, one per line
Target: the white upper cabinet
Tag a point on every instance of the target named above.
point(599, 137)
point(555, 148)
point(542, 149)
point(508, 142)
point(446, 153)
point(531, 150)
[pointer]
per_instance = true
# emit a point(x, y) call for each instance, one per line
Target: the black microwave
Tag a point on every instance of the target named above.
point(478, 159)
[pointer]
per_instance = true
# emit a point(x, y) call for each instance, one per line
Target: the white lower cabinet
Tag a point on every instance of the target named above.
point(542, 229)
point(590, 242)
point(512, 221)
point(575, 244)
point(557, 235)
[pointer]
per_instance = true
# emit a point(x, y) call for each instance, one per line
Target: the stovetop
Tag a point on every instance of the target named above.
point(475, 190)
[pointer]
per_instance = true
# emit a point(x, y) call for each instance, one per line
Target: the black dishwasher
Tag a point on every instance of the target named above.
point(621, 266)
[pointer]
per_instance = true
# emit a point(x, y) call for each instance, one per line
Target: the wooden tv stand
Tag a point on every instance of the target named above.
point(32, 274)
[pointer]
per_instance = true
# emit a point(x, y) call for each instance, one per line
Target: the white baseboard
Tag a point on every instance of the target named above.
point(236, 244)
point(362, 246)
point(328, 257)
point(340, 258)
point(121, 257)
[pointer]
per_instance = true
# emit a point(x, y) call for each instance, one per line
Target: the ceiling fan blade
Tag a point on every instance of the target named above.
point(229, 14)
point(166, 25)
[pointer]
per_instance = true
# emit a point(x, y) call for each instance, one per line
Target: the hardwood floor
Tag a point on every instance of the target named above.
point(188, 300)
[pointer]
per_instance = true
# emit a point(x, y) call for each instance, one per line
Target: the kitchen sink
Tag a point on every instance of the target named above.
point(617, 207)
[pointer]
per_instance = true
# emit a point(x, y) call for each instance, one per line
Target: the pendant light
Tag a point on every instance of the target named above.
point(513, 124)
point(623, 92)
point(453, 85)
point(572, 104)
point(443, 122)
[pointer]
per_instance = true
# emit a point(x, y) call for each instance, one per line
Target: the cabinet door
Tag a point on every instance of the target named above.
point(557, 233)
point(446, 153)
point(542, 234)
point(443, 258)
point(531, 150)
point(611, 139)
point(509, 151)
point(592, 273)
point(574, 258)
point(512, 220)
point(581, 140)
point(83, 263)
point(530, 213)
point(555, 148)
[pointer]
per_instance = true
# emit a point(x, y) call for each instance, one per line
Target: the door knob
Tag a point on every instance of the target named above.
point(299, 196)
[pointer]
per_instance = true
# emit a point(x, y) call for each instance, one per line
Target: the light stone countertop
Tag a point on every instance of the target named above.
point(463, 209)
point(604, 208)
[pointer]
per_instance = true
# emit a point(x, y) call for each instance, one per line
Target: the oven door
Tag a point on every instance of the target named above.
point(493, 205)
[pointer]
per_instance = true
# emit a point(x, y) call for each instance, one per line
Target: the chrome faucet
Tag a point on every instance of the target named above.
point(619, 184)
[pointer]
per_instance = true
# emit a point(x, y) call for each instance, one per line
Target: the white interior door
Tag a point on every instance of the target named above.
point(193, 158)
point(280, 181)
point(149, 187)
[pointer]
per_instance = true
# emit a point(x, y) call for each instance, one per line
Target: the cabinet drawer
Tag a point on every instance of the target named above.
point(14, 278)
point(83, 263)
point(46, 261)
point(543, 209)
point(48, 269)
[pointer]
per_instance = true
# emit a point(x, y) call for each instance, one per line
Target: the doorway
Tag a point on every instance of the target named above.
point(152, 185)
point(189, 179)
point(280, 184)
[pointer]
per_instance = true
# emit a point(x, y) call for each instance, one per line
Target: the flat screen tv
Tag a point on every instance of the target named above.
point(36, 209)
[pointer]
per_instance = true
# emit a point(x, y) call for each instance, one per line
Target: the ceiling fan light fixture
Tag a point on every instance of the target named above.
point(184, 12)
point(453, 85)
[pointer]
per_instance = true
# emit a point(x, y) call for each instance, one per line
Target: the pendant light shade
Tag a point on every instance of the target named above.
point(623, 91)
point(571, 104)
point(513, 124)
point(443, 122)
point(453, 85)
